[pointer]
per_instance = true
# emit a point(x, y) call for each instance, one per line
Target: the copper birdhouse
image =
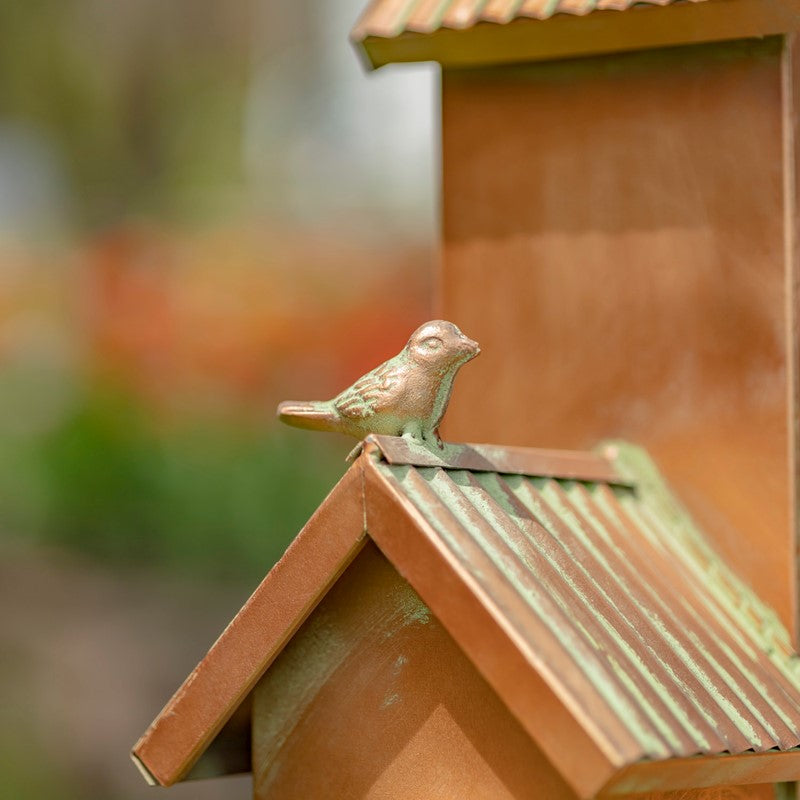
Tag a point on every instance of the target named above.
point(608, 607)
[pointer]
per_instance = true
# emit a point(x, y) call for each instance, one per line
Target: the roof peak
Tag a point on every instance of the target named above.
point(581, 465)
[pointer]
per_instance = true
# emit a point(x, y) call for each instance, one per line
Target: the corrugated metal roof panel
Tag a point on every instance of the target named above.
point(623, 602)
point(391, 18)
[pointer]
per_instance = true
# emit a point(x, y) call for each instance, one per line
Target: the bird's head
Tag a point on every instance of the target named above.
point(440, 346)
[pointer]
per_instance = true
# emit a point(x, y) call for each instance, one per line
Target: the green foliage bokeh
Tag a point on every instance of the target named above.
point(209, 494)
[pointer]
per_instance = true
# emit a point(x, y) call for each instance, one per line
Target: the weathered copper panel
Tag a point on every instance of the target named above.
point(626, 650)
point(509, 663)
point(791, 133)
point(646, 779)
point(621, 608)
point(761, 791)
point(219, 685)
point(614, 236)
point(373, 699)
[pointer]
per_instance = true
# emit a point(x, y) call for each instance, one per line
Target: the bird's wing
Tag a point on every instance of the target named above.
point(374, 392)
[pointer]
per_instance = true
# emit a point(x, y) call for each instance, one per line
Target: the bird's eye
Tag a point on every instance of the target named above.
point(432, 343)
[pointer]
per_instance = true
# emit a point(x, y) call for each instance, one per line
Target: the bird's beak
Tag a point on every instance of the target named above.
point(470, 347)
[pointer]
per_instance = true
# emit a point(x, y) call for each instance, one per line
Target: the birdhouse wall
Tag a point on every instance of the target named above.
point(618, 233)
point(373, 699)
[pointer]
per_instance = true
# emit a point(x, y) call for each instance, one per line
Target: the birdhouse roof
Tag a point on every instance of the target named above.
point(460, 33)
point(577, 586)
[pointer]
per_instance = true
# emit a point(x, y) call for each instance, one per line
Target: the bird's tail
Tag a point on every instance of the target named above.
point(316, 416)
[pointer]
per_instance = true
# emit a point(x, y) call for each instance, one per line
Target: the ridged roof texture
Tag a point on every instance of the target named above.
point(390, 18)
point(621, 606)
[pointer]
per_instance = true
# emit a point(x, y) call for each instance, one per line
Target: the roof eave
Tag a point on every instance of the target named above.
point(700, 772)
point(568, 36)
point(208, 698)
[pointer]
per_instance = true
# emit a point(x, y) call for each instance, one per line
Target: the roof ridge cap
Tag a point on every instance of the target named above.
point(506, 459)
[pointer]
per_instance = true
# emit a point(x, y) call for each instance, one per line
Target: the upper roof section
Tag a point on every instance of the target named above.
point(390, 18)
point(459, 33)
point(574, 583)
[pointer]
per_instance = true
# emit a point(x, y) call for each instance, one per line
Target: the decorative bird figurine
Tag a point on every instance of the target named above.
point(405, 396)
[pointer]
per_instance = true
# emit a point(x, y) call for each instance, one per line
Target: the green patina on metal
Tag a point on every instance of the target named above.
point(660, 508)
point(393, 697)
point(410, 610)
point(629, 633)
point(712, 681)
point(656, 619)
point(414, 611)
point(685, 672)
point(622, 671)
point(390, 700)
point(306, 664)
point(536, 596)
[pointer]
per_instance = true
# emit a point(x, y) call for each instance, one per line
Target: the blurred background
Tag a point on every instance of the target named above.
point(205, 208)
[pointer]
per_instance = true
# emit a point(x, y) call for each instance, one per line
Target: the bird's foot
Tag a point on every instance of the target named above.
point(418, 437)
point(355, 452)
point(432, 438)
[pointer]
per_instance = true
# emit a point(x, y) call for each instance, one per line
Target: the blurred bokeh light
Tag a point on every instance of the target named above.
point(205, 208)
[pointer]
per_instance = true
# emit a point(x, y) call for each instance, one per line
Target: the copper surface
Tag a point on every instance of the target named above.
point(614, 235)
point(467, 33)
point(579, 465)
point(615, 636)
point(761, 791)
point(791, 174)
point(499, 654)
point(373, 699)
point(222, 681)
point(626, 622)
point(688, 773)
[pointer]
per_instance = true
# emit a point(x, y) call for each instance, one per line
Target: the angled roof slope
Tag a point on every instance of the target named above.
point(468, 32)
point(578, 588)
